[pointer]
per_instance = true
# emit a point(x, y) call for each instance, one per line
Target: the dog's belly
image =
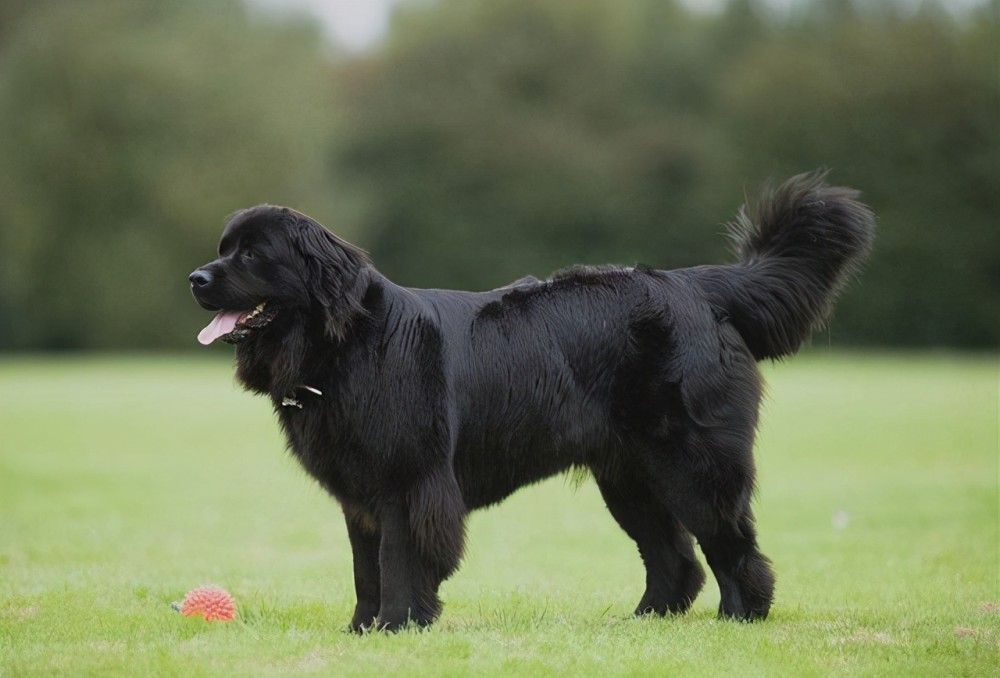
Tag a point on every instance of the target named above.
point(490, 478)
point(523, 424)
point(492, 462)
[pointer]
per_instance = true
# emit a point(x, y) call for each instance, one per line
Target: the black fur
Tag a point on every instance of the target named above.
point(435, 403)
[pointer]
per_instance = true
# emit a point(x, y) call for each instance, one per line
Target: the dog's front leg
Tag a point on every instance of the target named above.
point(422, 534)
point(396, 564)
point(365, 537)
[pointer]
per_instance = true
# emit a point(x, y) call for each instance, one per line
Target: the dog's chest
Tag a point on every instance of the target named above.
point(313, 443)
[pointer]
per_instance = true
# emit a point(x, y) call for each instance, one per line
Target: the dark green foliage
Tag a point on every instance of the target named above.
point(484, 141)
point(130, 130)
point(906, 110)
point(501, 139)
point(494, 141)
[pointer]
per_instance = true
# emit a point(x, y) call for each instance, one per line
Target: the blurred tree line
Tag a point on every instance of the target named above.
point(482, 141)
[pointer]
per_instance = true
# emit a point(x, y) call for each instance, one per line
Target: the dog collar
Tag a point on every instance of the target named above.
point(291, 401)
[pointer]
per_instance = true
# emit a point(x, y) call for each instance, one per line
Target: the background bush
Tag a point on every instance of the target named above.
point(482, 141)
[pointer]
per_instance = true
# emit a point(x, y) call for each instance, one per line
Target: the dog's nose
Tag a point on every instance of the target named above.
point(200, 278)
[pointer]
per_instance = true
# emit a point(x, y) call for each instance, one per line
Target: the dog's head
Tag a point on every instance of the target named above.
point(274, 262)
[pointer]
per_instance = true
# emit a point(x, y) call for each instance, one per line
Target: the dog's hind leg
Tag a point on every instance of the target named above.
point(746, 581)
point(709, 485)
point(673, 574)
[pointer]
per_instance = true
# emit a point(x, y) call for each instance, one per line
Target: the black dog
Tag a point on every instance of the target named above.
point(413, 407)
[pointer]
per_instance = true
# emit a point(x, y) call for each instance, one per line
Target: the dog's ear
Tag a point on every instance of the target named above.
point(334, 274)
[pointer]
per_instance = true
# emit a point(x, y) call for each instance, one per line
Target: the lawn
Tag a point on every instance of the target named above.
point(125, 482)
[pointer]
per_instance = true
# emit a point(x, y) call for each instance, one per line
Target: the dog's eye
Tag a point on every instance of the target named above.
point(247, 255)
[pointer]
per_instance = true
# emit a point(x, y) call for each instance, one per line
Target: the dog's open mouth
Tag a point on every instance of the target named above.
point(233, 327)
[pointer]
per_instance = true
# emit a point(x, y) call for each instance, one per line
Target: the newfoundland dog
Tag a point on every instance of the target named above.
point(413, 407)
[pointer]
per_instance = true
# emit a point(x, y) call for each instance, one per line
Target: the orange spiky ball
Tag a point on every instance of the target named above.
point(211, 602)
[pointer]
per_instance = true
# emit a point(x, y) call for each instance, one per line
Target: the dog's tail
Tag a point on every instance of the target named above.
point(797, 248)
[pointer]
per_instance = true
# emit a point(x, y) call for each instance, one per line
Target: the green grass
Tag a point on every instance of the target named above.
point(126, 481)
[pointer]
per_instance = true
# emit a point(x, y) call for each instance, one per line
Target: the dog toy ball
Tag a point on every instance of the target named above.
point(211, 602)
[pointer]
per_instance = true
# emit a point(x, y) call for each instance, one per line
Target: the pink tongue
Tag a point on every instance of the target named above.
point(223, 323)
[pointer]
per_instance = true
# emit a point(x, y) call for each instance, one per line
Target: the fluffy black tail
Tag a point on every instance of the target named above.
point(798, 247)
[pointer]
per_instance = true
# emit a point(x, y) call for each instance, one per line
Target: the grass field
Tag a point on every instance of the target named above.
point(126, 481)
